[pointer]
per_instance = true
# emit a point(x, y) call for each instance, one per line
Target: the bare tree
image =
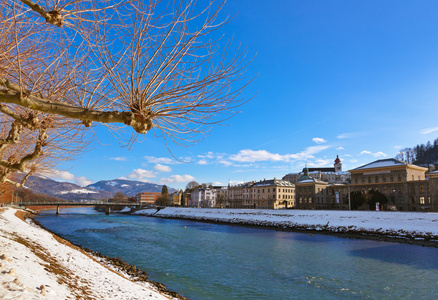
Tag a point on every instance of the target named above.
point(65, 64)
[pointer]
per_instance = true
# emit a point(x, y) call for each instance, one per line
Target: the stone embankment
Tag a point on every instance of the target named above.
point(408, 227)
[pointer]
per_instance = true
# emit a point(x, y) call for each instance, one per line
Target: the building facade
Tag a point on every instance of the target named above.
point(148, 198)
point(264, 194)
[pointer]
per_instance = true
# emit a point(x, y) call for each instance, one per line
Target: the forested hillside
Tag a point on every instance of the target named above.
point(420, 154)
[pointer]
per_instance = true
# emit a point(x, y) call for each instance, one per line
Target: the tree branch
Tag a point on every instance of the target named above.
point(141, 123)
point(53, 17)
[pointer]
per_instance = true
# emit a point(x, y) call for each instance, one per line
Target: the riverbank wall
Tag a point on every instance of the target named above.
point(408, 227)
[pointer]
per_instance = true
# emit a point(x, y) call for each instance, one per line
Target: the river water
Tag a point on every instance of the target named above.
point(209, 261)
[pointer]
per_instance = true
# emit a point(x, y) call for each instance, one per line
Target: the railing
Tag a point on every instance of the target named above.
point(87, 203)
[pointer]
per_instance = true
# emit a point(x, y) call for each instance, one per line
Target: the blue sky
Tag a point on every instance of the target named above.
point(354, 78)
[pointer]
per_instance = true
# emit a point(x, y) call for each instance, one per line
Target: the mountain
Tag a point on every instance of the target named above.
point(97, 191)
point(64, 190)
point(127, 187)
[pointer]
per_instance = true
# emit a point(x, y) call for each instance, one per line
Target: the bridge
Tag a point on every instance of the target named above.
point(106, 205)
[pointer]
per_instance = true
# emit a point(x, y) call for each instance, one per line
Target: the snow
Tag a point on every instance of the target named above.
point(124, 185)
point(112, 183)
point(77, 191)
point(401, 224)
point(381, 163)
point(34, 265)
point(126, 209)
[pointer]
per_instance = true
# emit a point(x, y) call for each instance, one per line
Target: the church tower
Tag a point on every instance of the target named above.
point(338, 165)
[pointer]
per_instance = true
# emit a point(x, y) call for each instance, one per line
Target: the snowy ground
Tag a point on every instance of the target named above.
point(35, 265)
point(420, 226)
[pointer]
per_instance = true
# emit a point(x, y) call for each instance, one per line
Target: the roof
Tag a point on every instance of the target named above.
point(382, 163)
point(322, 169)
point(273, 182)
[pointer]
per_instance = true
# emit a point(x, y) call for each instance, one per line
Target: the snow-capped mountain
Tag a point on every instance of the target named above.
point(64, 190)
point(127, 187)
point(96, 191)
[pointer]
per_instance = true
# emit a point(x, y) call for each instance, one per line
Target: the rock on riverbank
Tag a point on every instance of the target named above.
point(34, 264)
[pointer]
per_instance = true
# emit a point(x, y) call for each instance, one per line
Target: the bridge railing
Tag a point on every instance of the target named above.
point(87, 203)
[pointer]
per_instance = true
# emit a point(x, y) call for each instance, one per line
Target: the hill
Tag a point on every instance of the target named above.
point(95, 191)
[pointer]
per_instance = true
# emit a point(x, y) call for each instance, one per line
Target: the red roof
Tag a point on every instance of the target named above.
point(337, 160)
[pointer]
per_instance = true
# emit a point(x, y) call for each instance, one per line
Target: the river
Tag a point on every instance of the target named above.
point(210, 261)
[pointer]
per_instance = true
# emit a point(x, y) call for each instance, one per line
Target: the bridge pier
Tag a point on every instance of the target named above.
point(57, 210)
point(108, 210)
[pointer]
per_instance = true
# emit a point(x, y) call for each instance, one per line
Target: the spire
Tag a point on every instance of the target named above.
point(337, 160)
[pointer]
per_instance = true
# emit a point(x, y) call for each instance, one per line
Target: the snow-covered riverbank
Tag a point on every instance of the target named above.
point(398, 225)
point(34, 264)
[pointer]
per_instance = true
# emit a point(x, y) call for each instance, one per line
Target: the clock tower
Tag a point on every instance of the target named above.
point(338, 165)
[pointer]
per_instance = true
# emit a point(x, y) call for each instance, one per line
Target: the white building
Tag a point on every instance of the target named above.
point(203, 197)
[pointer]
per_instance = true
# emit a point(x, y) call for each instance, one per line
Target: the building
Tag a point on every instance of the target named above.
point(264, 194)
point(175, 199)
point(334, 174)
point(203, 197)
point(404, 185)
point(148, 198)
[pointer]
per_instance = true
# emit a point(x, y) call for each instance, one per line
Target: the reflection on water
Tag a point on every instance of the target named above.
point(208, 261)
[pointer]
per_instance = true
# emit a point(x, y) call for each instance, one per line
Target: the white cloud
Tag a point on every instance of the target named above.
point(348, 135)
point(141, 174)
point(160, 160)
point(119, 158)
point(177, 179)
point(319, 140)
point(353, 160)
point(253, 156)
point(340, 148)
point(319, 163)
point(162, 168)
point(202, 162)
point(397, 147)
point(263, 155)
point(83, 181)
point(225, 162)
point(61, 175)
point(377, 154)
point(428, 130)
point(67, 176)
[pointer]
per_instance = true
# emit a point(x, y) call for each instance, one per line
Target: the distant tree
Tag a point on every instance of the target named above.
point(183, 198)
point(375, 196)
point(163, 199)
point(357, 199)
point(191, 186)
point(164, 190)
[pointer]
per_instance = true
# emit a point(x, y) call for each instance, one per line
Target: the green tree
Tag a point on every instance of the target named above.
point(357, 199)
point(375, 196)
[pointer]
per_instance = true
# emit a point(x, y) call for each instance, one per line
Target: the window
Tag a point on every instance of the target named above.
point(391, 178)
point(421, 188)
point(421, 200)
point(369, 179)
point(376, 179)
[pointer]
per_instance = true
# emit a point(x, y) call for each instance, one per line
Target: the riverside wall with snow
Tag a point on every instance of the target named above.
point(34, 264)
point(397, 225)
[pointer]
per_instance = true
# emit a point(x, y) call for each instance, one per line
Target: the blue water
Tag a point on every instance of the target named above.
point(208, 261)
